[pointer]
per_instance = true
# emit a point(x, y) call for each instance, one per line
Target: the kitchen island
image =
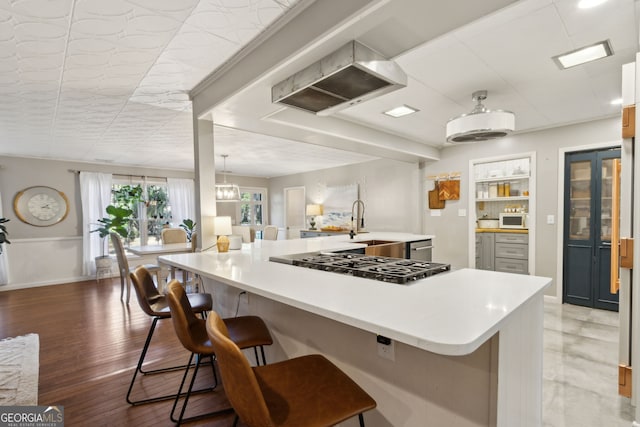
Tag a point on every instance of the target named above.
point(467, 343)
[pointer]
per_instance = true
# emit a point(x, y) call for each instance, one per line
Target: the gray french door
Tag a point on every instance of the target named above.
point(587, 229)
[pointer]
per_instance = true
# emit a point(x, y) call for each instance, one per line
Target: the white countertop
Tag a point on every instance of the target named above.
point(451, 313)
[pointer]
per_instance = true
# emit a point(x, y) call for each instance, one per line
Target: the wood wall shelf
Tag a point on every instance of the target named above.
point(503, 178)
point(503, 199)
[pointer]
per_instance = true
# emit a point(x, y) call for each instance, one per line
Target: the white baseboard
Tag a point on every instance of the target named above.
point(554, 300)
point(15, 286)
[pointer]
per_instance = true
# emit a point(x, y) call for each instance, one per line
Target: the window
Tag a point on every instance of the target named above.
point(251, 210)
point(148, 200)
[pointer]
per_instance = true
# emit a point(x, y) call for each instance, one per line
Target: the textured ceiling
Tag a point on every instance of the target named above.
point(107, 81)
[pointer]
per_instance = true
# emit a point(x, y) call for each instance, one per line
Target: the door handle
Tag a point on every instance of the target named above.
point(422, 248)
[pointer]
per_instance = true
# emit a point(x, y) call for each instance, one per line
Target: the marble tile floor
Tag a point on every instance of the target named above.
point(580, 369)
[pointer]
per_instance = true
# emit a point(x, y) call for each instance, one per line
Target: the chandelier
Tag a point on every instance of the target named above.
point(227, 192)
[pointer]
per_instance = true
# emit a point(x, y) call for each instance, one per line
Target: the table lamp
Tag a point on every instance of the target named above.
point(222, 228)
point(313, 211)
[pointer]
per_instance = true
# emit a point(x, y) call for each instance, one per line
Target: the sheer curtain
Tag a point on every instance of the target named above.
point(95, 194)
point(4, 260)
point(181, 194)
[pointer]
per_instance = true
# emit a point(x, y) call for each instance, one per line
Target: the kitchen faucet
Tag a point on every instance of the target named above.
point(354, 209)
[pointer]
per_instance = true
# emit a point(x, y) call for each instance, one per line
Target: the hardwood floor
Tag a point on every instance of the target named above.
point(90, 343)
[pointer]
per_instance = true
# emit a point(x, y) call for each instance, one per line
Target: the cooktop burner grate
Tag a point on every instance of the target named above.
point(385, 269)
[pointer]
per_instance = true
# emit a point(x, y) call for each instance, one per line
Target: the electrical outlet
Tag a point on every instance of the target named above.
point(387, 351)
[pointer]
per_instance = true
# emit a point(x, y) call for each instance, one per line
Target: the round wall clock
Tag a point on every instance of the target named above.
point(41, 206)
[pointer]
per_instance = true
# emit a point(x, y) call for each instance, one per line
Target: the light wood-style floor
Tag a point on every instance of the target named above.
point(90, 343)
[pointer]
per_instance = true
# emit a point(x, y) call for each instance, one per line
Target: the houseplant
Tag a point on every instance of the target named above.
point(189, 226)
point(117, 221)
point(3, 233)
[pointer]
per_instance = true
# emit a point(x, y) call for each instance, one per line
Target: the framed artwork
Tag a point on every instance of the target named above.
point(338, 202)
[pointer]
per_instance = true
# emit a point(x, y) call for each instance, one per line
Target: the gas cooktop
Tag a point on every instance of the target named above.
point(393, 270)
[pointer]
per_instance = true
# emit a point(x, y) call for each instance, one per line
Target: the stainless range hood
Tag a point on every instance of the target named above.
point(352, 74)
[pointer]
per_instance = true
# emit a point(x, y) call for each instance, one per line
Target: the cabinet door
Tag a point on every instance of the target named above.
point(487, 251)
point(587, 246)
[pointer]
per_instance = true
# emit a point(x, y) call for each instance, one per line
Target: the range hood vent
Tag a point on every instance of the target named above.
point(480, 124)
point(350, 75)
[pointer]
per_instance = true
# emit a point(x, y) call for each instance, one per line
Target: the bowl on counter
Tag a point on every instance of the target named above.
point(488, 223)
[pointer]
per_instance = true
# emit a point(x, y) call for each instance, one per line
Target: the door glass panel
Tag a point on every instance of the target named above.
point(580, 201)
point(605, 199)
point(258, 215)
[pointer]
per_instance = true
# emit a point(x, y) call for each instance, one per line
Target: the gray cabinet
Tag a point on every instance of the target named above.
point(506, 252)
point(485, 251)
point(318, 233)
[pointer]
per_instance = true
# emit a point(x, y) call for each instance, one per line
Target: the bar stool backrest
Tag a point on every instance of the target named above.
point(241, 385)
point(146, 292)
point(185, 321)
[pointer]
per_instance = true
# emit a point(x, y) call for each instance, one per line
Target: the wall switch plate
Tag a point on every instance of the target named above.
point(551, 219)
point(435, 212)
point(462, 212)
point(387, 351)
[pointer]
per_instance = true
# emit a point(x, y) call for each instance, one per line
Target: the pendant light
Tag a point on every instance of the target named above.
point(227, 192)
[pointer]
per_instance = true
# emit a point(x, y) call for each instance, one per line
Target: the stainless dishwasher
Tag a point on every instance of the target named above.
point(420, 250)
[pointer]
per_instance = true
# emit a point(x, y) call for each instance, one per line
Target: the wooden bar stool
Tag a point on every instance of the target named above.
point(245, 332)
point(305, 391)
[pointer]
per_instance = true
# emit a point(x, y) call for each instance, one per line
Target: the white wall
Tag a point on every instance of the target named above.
point(47, 255)
point(390, 190)
point(452, 230)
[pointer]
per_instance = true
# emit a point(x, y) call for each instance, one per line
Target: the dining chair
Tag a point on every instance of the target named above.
point(270, 232)
point(303, 391)
point(173, 235)
point(155, 305)
point(244, 331)
point(123, 266)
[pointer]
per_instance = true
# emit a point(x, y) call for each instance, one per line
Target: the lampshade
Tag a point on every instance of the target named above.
point(314, 210)
point(222, 226)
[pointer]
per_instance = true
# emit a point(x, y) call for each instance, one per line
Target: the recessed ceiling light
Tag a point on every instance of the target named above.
point(583, 55)
point(400, 111)
point(588, 4)
point(617, 101)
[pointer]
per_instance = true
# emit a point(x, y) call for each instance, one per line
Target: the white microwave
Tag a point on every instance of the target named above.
point(513, 220)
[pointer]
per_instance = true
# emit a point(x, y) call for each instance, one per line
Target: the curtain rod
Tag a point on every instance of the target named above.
point(118, 174)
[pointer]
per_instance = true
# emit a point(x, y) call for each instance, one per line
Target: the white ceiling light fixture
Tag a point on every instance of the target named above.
point(583, 55)
point(588, 4)
point(227, 192)
point(480, 124)
point(403, 110)
point(617, 101)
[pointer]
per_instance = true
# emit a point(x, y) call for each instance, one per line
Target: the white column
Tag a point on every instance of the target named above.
point(205, 181)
